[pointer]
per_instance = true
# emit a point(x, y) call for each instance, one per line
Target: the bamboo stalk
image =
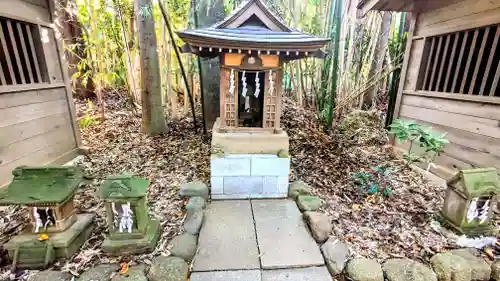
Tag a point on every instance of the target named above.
point(200, 74)
point(169, 28)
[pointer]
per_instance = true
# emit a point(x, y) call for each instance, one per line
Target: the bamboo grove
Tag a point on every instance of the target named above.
point(361, 70)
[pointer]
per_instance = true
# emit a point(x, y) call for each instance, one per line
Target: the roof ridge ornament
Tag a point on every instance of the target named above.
point(243, 7)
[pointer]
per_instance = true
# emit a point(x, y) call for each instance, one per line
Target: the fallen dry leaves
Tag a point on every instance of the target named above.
point(393, 227)
point(118, 146)
point(398, 226)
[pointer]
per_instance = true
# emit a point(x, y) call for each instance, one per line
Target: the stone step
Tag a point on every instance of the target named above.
point(227, 239)
point(283, 239)
point(293, 274)
point(235, 275)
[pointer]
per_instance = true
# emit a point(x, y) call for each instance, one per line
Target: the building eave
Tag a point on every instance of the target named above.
point(413, 6)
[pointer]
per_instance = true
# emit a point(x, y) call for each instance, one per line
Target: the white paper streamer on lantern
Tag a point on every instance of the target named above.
point(472, 212)
point(483, 215)
point(38, 220)
point(244, 81)
point(257, 85)
point(231, 83)
point(271, 83)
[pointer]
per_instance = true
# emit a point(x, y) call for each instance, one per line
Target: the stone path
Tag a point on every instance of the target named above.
point(257, 240)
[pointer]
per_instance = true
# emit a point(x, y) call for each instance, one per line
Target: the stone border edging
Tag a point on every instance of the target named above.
point(456, 265)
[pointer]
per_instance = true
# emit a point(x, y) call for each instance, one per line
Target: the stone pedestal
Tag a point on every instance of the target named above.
point(140, 245)
point(249, 165)
point(59, 245)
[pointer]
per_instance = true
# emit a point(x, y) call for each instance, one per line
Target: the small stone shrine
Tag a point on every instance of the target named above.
point(131, 231)
point(468, 201)
point(56, 229)
point(249, 149)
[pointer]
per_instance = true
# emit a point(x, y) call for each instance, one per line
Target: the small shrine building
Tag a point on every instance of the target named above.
point(249, 148)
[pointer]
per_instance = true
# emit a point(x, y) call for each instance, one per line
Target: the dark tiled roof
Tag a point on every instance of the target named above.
point(253, 35)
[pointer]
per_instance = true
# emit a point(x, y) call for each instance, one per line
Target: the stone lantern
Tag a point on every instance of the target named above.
point(468, 201)
point(56, 229)
point(130, 229)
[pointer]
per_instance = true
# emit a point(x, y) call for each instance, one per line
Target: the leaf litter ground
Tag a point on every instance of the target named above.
point(398, 226)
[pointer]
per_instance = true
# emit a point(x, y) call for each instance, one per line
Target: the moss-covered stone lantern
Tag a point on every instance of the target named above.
point(56, 229)
point(468, 201)
point(130, 228)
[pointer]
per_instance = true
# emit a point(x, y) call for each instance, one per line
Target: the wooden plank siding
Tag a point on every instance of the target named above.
point(461, 15)
point(464, 112)
point(35, 129)
point(24, 11)
point(455, 91)
point(38, 124)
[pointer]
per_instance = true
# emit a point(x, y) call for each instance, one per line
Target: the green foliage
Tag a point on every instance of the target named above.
point(100, 50)
point(87, 119)
point(325, 100)
point(404, 130)
point(409, 131)
point(362, 178)
point(375, 182)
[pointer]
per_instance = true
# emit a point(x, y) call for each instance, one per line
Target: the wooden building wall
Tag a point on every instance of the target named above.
point(466, 107)
point(37, 118)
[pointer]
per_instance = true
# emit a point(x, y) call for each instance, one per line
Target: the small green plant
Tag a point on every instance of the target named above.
point(218, 150)
point(87, 119)
point(376, 182)
point(283, 153)
point(362, 178)
point(409, 131)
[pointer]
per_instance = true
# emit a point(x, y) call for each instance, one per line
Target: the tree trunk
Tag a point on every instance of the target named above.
point(153, 120)
point(378, 59)
point(70, 31)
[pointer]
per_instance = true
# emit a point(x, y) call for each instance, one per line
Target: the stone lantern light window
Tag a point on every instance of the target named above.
point(468, 201)
point(129, 226)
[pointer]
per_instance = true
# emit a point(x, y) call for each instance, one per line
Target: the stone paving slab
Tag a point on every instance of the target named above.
point(227, 239)
point(283, 239)
point(297, 274)
point(237, 275)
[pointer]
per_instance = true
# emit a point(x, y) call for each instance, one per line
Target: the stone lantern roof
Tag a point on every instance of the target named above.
point(41, 186)
point(252, 28)
point(123, 187)
point(476, 182)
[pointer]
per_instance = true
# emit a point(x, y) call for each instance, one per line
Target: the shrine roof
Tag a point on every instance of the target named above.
point(41, 186)
point(121, 187)
point(478, 182)
point(257, 35)
point(253, 7)
point(253, 27)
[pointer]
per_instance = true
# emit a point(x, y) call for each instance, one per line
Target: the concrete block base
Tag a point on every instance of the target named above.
point(249, 164)
point(243, 176)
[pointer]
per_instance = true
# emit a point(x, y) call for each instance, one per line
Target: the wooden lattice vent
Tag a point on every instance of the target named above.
point(465, 62)
point(271, 100)
point(20, 53)
point(230, 99)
